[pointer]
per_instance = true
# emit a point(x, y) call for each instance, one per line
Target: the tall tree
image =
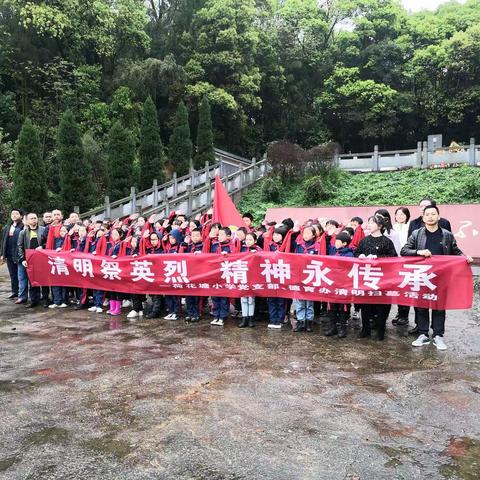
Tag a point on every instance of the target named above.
point(97, 161)
point(180, 146)
point(204, 151)
point(74, 170)
point(151, 147)
point(29, 180)
point(121, 156)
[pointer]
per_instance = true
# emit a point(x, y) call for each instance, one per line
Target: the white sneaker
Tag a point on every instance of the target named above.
point(106, 303)
point(173, 316)
point(220, 322)
point(92, 309)
point(126, 304)
point(167, 317)
point(53, 305)
point(63, 305)
point(98, 310)
point(214, 321)
point(439, 343)
point(133, 314)
point(274, 325)
point(421, 341)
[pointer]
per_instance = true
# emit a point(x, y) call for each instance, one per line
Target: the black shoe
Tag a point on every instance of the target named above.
point(332, 330)
point(381, 335)
point(32, 305)
point(152, 315)
point(300, 327)
point(46, 304)
point(251, 322)
point(81, 306)
point(243, 323)
point(309, 326)
point(364, 332)
point(342, 330)
point(396, 320)
point(413, 331)
point(402, 322)
point(13, 295)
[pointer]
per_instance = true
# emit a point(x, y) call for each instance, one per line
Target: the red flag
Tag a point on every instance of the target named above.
point(224, 210)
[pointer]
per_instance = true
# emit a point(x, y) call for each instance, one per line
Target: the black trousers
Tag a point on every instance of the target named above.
point(423, 321)
point(378, 312)
point(34, 294)
point(339, 312)
point(403, 311)
point(13, 272)
point(157, 304)
point(137, 302)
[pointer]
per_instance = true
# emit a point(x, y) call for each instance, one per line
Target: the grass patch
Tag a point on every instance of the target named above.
point(406, 187)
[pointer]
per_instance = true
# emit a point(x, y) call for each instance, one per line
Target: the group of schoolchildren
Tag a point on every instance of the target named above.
point(136, 235)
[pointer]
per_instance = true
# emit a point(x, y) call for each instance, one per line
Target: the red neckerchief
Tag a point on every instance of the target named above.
point(53, 233)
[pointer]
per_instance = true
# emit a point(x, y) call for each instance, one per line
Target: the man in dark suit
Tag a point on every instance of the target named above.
point(418, 222)
point(8, 248)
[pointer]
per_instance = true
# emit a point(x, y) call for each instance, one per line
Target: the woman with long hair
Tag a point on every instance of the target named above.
point(375, 245)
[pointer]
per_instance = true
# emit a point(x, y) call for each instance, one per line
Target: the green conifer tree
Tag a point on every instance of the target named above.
point(74, 171)
point(204, 151)
point(121, 156)
point(151, 148)
point(30, 190)
point(180, 146)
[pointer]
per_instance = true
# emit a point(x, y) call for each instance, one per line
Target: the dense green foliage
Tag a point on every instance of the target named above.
point(72, 165)
point(180, 146)
point(445, 185)
point(356, 72)
point(30, 184)
point(121, 156)
point(204, 152)
point(151, 148)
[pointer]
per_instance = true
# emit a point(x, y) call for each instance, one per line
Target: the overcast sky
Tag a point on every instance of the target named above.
point(415, 5)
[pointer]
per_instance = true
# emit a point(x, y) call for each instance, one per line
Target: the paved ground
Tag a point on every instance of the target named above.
point(83, 397)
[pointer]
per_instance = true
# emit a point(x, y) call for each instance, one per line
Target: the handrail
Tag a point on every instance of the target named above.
point(175, 187)
point(178, 200)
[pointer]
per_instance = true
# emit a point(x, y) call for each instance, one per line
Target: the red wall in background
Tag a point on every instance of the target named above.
point(465, 219)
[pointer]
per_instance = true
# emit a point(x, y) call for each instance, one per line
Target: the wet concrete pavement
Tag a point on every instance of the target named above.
point(85, 397)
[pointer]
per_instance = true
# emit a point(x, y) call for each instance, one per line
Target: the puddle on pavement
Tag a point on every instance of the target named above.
point(7, 386)
point(394, 454)
point(46, 435)
point(6, 463)
point(465, 459)
point(109, 445)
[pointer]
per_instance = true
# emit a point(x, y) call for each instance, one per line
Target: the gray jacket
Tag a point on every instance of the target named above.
point(418, 241)
point(24, 241)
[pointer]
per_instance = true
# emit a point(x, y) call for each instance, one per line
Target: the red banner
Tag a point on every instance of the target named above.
point(465, 219)
point(443, 282)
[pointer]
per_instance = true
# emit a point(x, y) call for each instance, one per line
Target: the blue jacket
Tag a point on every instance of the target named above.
point(344, 252)
point(225, 247)
point(310, 247)
point(194, 247)
point(58, 242)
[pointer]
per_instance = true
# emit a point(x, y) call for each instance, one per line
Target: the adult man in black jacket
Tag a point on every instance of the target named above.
point(417, 223)
point(427, 241)
point(30, 238)
point(8, 248)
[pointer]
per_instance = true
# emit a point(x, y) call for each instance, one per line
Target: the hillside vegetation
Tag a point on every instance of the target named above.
point(339, 188)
